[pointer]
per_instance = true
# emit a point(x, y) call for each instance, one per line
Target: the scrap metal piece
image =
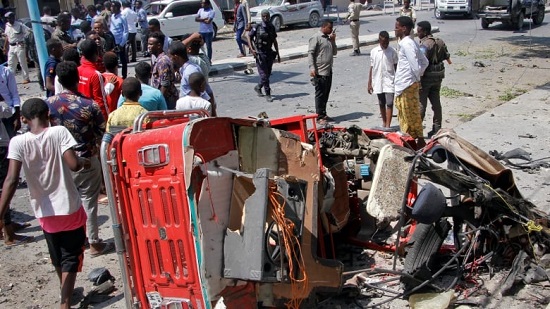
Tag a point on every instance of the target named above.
point(248, 244)
point(389, 183)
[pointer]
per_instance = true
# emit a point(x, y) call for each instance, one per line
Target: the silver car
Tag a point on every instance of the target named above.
point(288, 12)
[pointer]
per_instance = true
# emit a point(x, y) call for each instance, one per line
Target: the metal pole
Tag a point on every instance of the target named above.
point(38, 32)
point(106, 163)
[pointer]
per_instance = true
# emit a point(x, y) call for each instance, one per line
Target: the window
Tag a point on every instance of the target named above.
point(186, 8)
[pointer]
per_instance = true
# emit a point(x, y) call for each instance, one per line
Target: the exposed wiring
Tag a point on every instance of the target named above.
point(291, 243)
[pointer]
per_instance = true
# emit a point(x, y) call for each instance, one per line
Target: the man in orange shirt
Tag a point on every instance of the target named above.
point(91, 83)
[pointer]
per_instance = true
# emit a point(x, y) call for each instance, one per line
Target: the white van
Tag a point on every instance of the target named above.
point(177, 17)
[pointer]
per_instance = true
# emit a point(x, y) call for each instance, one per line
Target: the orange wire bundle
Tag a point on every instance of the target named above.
point(298, 277)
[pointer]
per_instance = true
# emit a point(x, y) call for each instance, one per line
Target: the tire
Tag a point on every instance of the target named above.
point(539, 18)
point(421, 257)
point(313, 19)
point(277, 22)
point(484, 23)
point(438, 14)
point(519, 22)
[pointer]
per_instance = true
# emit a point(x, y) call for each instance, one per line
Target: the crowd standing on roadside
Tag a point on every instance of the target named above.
point(85, 94)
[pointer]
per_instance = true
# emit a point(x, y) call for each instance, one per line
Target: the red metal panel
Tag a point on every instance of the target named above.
point(153, 202)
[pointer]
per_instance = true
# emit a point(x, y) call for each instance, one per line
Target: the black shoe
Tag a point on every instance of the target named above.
point(355, 53)
point(269, 98)
point(258, 90)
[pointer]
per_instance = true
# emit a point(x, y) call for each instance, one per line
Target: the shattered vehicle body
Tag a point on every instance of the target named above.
point(248, 212)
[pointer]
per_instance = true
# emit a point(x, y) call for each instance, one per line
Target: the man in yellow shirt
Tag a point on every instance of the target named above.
point(125, 115)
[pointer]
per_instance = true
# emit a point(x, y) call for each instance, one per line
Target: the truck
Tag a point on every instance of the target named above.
point(466, 8)
point(512, 12)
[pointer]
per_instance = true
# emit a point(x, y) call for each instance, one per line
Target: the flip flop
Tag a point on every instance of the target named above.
point(21, 241)
point(109, 247)
point(103, 200)
point(18, 226)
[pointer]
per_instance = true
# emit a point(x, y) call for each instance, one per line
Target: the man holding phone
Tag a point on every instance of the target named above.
point(321, 52)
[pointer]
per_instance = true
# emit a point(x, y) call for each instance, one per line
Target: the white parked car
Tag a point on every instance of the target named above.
point(288, 12)
point(177, 18)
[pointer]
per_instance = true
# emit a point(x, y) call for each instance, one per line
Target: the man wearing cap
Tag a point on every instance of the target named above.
point(16, 33)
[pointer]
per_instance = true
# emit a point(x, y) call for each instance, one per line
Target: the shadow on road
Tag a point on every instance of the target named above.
point(533, 46)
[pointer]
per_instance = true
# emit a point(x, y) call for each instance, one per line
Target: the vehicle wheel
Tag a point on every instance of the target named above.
point(484, 23)
point(438, 14)
point(539, 18)
point(313, 19)
point(276, 21)
point(215, 32)
point(421, 257)
point(519, 21)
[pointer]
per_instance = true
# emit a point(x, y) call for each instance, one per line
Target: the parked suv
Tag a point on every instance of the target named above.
point(287, 12)
point(467, 8)
point(512, 12)
point(177, 18)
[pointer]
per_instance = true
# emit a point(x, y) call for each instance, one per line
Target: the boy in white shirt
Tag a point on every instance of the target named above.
point(197, 83)
point(383, 62)
point(47, 157)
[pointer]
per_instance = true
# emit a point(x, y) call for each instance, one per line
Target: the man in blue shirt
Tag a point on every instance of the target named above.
point(241, 23)
point(151, 98)
point(205, 16)
point(142, 21)
point(9, 94)
point(178, 54)
point(119, 28)
point(55, 50)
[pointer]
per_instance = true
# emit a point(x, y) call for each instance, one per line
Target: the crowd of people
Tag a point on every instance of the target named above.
point(86, 96)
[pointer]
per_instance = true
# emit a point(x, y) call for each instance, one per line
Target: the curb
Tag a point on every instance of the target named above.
point(231, 65)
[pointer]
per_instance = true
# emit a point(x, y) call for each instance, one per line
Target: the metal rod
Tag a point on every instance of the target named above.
point(117, 229)
point(166, 114)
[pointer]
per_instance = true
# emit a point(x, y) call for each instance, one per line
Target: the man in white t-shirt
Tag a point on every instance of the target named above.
point(197, 83)
point(383, 62)
point(48, 21)
point(131, 18)
point(46, 156)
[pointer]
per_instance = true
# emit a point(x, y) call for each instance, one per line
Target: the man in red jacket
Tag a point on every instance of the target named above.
point(91, 82)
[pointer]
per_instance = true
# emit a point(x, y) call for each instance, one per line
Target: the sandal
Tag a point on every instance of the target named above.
point(109, 247)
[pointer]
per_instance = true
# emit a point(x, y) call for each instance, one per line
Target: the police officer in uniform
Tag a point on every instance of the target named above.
point(261, 39)
point(436, 51)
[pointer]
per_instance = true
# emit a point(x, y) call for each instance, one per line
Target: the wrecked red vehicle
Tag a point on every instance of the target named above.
point(246, 212)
